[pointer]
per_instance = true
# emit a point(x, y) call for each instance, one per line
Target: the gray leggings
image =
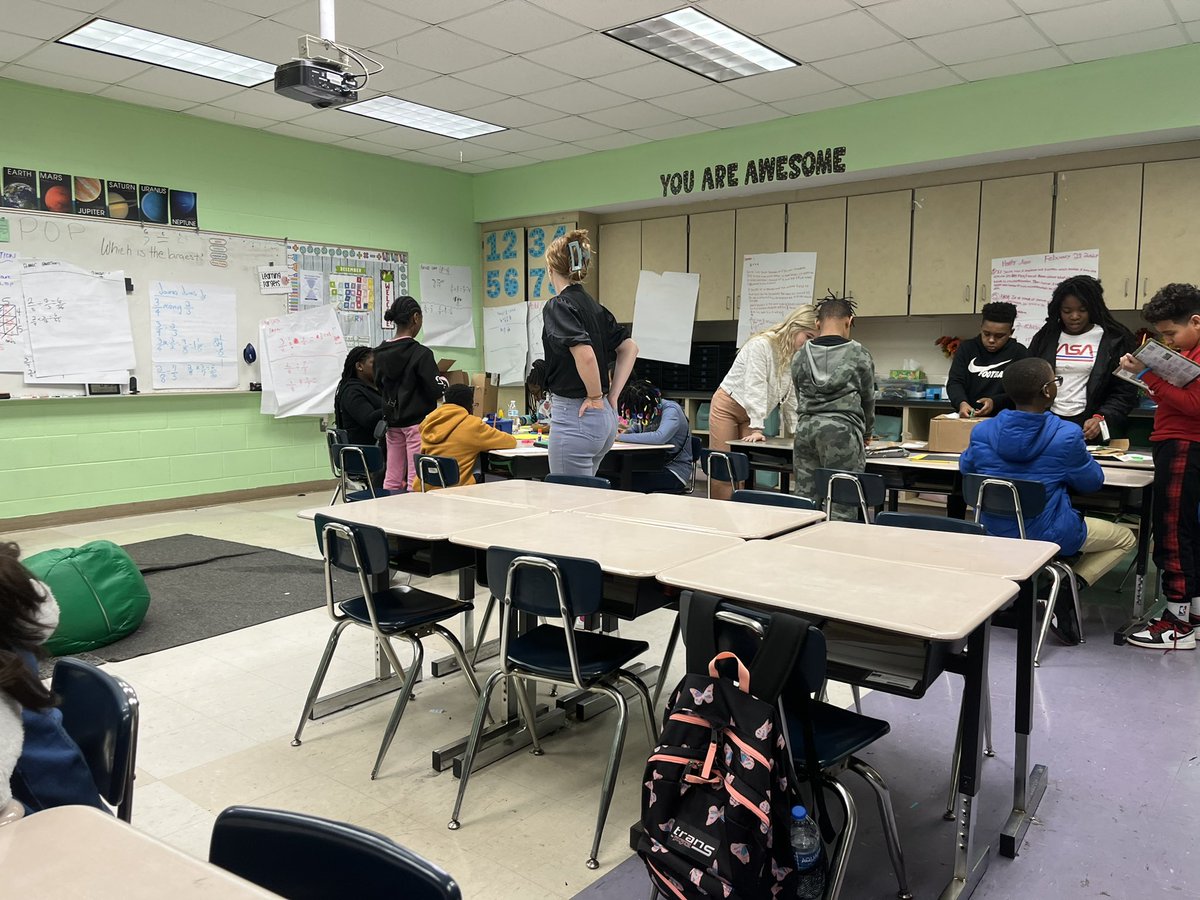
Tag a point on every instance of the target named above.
point(578, 443)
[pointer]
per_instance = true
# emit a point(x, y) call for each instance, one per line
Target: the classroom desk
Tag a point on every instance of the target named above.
point(622, 461)
point(917, 601)
point(740, 520)
point(79, 852)
point(772, 455)
point(1016, 561)
point(537, 494)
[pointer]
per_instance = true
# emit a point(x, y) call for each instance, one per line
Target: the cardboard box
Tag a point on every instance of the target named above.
point(453, 376)
point(947, 435)
point(487, 393)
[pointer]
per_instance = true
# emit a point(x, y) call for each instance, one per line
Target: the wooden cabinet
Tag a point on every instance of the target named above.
point(1102, 209)
point(760, 229)
point(1170, 232)
point(665, 244)
point(620, 262)
point(945, 246)
point(710, 255)
point(1015, 215)
point(878, 240)
point(819, 226)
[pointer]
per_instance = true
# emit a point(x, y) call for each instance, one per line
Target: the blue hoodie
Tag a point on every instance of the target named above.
point(1036, 447)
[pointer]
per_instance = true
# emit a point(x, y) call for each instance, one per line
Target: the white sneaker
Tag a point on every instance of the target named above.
point(1165, 634)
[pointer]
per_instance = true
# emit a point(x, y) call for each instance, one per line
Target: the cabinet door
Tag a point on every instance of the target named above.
point(1102, 209)
point(1014, 220)
point(945, 247)
point(1170, 232)
point(664, 244)
point(760, 229)
point(710, 254)
point(819, 226)
point(620, 259)
point(878, 240)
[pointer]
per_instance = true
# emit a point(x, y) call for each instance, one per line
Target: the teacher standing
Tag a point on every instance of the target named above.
point(582, 340)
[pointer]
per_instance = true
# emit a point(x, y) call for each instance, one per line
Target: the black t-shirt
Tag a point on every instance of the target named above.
point(574, 318)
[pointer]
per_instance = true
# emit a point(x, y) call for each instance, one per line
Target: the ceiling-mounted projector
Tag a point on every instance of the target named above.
point(320, 82)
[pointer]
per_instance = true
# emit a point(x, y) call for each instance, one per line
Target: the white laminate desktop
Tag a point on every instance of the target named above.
point(740, 520)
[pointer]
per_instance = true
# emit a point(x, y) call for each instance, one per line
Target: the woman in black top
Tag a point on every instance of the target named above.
point(357, 405)
point(582, 340)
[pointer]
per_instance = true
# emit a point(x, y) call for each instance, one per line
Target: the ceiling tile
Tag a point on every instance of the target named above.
point(590, 55)
point(513, 113)
point(515, 75)
point(514, 141)
point(396, 75)
point(334, 121)
point(51, 79)
point(41, 20)
point(287, 129)
point(397, 137)
point(511, 161)
point(442, 51)
point(1030, 61)
point(558, 151)
point(1142, 41)
point(437, 11)
point(471, 168)
point(365, 146)
point(638, 114)
point(464, 151)
point(169, 83)
point(359, 23)
point(784, 84)
point(14, 46)
point(609, 13)
point(80, 63)
point(656, 79)
point(910, 84)
point(263, 8)
point(515, 26)
point(578, 97)
point(614, 141)
point(705, 101)
point(1036, 6)
point(88, 6)
point(917, 18)
point(760, 18)
point(570, 128)
point(891, 61)
point(424, 159)
point(982, 42)
point(449, 93)
point(738, 117)
point(264, 103)
point(838, 36)
point(229, 116)
point(266, 40)
point(1193, 30)
point(1104, 19)
point(1188, 10)
point(144, 98)
point(828, 100)
point(674, 130)
point(195, 20)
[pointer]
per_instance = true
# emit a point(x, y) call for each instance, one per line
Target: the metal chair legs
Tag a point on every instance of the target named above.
point(956, 766)
point(857, 692)
point(473, 745)
point(666, 663)
point(527, 712)
point(402, 701)
point(319, 678)
point(647, 708)
point(888, 815)
point(610, 774)
point(839, 860)
point(1056, 584)
point(487, 618)
point(1070, 575)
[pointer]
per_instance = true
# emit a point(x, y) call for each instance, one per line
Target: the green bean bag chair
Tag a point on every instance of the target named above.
point(101, 595)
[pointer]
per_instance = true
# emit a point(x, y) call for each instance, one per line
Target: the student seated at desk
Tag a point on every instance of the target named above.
point(1027, 443)
point(454, 430)
point(653, 420)
point(537, 398)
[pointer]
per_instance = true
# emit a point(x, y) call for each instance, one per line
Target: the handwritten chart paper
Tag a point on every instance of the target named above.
point(13, 345)
point(193, 336)
point(505, 342)
point(663, 312)
point(1029, 281)
point(77, 321)
point(533, 313)
point(304, 354)
point(447, 306)
point(773, 284)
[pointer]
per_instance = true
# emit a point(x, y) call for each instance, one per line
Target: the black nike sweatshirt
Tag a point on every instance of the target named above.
point(975, 373)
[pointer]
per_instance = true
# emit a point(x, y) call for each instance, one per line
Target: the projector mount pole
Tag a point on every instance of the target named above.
point(327, 27)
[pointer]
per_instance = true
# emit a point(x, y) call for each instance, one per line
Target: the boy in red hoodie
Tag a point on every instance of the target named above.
point(1175, 312)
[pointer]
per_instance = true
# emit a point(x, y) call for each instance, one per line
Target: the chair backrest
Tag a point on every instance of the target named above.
point(361, 549)
point(1012, 498)
point(924, 522)
point(334, 437)
point(773, 498)
point(592, 481)
point(437, 471)
point(100, 714)
point(721, 465)
point(697, 447)
point(865, 490)
point(300, 856)
point(359, 459)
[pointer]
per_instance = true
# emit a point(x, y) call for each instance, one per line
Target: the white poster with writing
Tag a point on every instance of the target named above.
point(773, 284)
point(274, 280)
point(505, 342)
point(1029, 281)
point(664, 310)
point(533, 327)
point(447, 306)
point(14, 346)
point(303, 354)
point(77, 321)
point(193, 336)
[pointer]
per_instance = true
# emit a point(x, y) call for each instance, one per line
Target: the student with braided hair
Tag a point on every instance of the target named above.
point(357, 405)
point(654, 420)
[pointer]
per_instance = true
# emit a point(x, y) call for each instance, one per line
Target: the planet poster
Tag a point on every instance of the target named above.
point(54, 191)
point(89, 197)
point(152, 202)
point(122, 200)
point(183, 208)
point(19, 189)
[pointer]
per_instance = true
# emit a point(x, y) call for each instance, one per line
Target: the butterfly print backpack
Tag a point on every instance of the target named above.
point(716, 798)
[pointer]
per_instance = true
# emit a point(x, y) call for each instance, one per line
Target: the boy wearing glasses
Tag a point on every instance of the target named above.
point(1026, 443)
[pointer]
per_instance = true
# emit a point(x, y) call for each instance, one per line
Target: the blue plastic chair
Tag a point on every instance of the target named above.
point(437, 471)
point(728, 466)
point(773, 498)
point(590, 481)
point(357, 463)
point(924, 522)
point(865, 490)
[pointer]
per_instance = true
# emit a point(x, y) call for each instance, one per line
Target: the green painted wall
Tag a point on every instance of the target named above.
point(70, 454)
point(1130, 95)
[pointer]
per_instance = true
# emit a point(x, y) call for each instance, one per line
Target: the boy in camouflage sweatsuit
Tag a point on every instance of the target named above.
point(835, 400)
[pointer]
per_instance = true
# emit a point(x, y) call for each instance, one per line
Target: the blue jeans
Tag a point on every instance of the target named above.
point(660, 482)
point(578, 443)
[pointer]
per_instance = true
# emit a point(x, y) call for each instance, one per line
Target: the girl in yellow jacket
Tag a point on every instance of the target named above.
point(453, 430)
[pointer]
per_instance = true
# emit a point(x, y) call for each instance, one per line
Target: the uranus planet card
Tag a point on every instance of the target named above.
point(183, 208)
point(152, 202)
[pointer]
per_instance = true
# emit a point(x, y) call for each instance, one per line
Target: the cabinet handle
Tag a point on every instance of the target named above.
point(966, 293)
point(983, 294)
point(1126, 287)
point(1145, 286)
point(728, 301)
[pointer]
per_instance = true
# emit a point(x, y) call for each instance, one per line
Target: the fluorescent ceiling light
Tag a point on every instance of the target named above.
point(126, 41)
point(701, 44)
point(423, 118)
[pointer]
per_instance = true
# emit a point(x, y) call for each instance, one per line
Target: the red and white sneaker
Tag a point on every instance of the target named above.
point(1164, 634)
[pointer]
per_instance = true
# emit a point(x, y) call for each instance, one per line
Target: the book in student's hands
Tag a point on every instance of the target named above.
point(1172, 367)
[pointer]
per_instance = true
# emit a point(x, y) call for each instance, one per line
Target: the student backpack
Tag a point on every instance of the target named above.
point(716, 801)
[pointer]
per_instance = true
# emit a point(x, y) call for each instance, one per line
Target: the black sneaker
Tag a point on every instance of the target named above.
point(1062, 619)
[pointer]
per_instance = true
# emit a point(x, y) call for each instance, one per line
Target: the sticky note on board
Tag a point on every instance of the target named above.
point(3, 229)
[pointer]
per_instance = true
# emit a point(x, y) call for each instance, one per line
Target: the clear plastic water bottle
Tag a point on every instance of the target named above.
point(514, 411)
point(806, 849)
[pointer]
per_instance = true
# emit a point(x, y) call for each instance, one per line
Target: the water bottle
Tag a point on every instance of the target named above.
point(806, 849)
point(514, 411)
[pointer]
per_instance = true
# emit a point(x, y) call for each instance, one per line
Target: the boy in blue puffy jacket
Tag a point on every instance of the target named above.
point(1026, 443)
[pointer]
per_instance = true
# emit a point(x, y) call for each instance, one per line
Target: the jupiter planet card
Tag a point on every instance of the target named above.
point(122, 200)
point(89, 197)
point(54, 190)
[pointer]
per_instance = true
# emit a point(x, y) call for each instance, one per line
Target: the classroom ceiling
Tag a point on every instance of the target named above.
point(544, 70)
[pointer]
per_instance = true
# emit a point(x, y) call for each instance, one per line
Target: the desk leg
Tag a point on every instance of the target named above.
point(448, 665)
point(893, 500)
point(1028, 786)
point(625, 472)
point(1145, 536)
point(970, 861)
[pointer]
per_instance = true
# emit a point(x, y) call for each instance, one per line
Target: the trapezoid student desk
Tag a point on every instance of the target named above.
point(740, 520)
point(1016, 561)
point(622, 461)
point(915, 601)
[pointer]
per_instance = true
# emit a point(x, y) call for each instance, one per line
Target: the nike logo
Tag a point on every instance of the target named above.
point(987, 371)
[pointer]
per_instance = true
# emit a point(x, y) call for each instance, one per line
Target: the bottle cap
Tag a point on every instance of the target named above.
point(799, 812)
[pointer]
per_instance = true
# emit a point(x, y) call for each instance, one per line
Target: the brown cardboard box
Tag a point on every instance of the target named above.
point(948, 435)
point(487, 393)
point(453, 376)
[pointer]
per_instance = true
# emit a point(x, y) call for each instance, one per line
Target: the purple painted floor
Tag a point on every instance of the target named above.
point(1118, 728)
